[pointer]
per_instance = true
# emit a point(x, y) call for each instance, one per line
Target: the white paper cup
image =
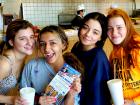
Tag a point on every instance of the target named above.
point(28, 93)
point(116, 91)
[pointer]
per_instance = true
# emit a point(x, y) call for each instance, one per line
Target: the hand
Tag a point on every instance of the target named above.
point(128, 102)
point(20, 101)
point(76, 87)
point(47, 100)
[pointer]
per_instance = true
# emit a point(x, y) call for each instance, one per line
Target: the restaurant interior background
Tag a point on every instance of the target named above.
point(61, 12)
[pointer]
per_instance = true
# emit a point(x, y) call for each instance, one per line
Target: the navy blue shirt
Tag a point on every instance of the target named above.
point(97, 72)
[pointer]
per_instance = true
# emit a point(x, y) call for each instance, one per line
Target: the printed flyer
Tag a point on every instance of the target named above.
point(62, 82)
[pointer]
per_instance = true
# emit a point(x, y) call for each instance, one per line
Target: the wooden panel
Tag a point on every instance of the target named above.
point(108, 47)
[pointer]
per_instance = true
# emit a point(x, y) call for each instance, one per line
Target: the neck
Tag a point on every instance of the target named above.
point(18, 56)
point(87, 48)
point(57, 65)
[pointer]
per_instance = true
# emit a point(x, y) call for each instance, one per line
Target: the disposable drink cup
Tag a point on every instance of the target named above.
point(28, 93)
point(116, 91)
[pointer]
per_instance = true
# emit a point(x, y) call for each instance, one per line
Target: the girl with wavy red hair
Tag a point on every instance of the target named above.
point(126, 53)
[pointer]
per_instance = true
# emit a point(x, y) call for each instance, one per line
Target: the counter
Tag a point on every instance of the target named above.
point(137, 27)
point(136, 22)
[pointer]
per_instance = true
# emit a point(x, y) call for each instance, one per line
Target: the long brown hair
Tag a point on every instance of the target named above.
point(12, 30)
point(129, 41)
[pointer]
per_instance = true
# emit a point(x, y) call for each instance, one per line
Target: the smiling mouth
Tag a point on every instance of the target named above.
point(29, 48)
point(49, 56)
point(86, 39)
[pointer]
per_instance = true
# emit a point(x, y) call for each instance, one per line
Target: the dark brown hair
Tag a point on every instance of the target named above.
point(12, 30)
point(73, 61)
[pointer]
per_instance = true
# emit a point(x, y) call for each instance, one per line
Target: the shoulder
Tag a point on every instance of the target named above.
point(5, 66)
point(4, 62)
point(34, 61)
point(100, 54)
point(99, 51)
point(76, 46)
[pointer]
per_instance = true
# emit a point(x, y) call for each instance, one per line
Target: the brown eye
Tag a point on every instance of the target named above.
point(42, 44)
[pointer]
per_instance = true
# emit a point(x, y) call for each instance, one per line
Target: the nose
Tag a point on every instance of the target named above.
point(30, 41)
point(88, 32)
point(115, 31)
point(47, 47)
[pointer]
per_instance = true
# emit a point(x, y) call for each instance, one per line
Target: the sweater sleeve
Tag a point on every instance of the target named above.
point(100, 73)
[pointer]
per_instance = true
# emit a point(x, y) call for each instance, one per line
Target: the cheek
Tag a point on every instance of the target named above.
point(109, 34)
point(97, 38)
point(82, 32)
point(19, 43)
point(124, 33)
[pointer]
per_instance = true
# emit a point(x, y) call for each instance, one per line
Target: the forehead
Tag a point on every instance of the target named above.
point(25, 32)
point(116, 20)
point(94, 24)
point(49, 36)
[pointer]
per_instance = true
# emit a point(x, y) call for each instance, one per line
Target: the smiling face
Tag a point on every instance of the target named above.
point(90, 33)
point(116, 30)
point(51, 47)
point(23, 41)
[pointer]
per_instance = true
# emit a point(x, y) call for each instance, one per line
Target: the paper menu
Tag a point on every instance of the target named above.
point(62, 82)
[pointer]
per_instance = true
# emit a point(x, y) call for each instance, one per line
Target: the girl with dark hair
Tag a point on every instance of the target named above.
point(19, 44)
point(92, 35)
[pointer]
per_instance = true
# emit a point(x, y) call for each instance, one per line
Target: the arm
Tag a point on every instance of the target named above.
point(69, 100)
point(72, 96)
point(5, 69)
point(7, 99)
point(97, 78)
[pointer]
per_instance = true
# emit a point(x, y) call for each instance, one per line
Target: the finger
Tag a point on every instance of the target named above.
point(17, 101)
point(77, 79)
point(47, 100)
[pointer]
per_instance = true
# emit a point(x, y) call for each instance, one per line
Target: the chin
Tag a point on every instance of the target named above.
point(85, 43)
point(116, 42)
point(29, 53)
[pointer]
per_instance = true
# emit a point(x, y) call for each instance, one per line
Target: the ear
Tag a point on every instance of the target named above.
point(11, 42)
point(63, 46)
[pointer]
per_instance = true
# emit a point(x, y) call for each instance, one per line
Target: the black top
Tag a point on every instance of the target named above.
point(97, 73)
point(77, 21)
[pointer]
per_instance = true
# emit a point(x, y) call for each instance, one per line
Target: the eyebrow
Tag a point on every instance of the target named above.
point(97, 30)
point(93, 29)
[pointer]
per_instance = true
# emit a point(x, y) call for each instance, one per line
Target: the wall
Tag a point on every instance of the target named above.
point(45, 12)
point(1, 19)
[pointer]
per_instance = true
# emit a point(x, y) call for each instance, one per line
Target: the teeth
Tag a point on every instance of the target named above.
point(48, 54)
point(29, 48)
